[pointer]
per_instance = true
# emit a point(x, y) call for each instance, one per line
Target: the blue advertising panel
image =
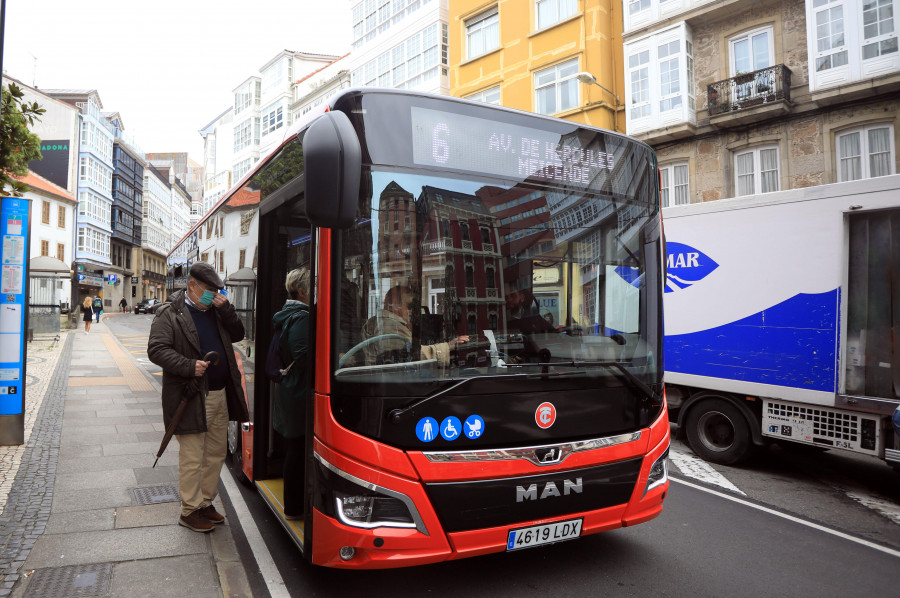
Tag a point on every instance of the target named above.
point(13, 304)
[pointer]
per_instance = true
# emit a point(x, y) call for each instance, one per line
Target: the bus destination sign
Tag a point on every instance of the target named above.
point(447, 140)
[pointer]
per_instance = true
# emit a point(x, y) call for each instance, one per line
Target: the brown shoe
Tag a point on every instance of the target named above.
point(196, 522)
point(210, 514)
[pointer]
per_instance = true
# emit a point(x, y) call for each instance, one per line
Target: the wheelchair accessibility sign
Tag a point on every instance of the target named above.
point(451, 428)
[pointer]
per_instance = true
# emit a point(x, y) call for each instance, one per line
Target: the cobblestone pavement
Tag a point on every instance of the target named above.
point(70, 496)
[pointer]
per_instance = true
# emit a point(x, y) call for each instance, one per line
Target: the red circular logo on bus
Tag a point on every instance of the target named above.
point(545, 415)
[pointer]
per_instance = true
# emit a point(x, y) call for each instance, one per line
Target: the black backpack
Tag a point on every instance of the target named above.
point(274, 367)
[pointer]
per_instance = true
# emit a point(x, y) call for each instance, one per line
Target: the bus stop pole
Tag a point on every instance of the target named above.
point(15, 223)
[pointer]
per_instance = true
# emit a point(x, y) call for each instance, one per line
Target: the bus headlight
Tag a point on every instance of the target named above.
point(659, 473)
point(358, 503)
point(372, 510)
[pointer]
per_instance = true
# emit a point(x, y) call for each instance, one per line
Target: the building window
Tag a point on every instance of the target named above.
point(488, 96)
point(45, 212)
point(556, 88)
point(221, 261)
point(670, 81)
point(756, 171)
point(674, 185)
point(866, 152)
point(879, 34)
point(242, 135)
point(636, 6)
point(639, 75)
point(659, 80)
point(751, 51)
point(45, 247)
point(61, 252)
point(61, 216)
point(550, 12)
point(272, 120)
point(241, 257)
point(204, 257)
point(483, 33)
point(831, 43)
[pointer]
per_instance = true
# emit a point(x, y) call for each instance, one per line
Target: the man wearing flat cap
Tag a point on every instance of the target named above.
point(190, 324)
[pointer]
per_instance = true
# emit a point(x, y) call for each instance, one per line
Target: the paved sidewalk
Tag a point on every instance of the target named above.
point(83, 511)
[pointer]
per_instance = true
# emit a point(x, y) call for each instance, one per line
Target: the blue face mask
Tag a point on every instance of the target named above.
point(207, 298)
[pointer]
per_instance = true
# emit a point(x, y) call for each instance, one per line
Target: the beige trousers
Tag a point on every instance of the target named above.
point(200, 456)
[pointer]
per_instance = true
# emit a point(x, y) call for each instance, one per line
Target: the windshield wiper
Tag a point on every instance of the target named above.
point(617, 367)
point(396, 415)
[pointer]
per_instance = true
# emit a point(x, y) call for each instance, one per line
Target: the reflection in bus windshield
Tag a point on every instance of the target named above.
point(460, 277)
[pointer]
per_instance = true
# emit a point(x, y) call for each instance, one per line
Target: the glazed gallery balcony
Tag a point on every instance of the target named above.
point(750, 97)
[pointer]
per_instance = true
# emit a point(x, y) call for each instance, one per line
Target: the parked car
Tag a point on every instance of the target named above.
point(147, 306)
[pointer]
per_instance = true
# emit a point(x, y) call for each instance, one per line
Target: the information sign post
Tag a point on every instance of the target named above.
point(14, 226)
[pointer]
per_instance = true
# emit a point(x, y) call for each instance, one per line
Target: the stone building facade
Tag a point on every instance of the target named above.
point(786, 93)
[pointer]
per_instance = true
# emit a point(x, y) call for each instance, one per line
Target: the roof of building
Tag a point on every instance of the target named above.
point(41, 185)
point(319, 70)
point(208, 128)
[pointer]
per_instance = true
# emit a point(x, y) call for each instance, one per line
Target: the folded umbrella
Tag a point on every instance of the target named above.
point(191, 390)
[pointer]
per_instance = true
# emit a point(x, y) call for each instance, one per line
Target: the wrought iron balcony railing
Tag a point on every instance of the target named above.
point(749, 89)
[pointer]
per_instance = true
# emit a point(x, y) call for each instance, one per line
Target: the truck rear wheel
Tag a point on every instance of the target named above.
point(718, 432)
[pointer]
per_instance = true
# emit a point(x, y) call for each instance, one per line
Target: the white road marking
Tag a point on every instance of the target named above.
point(878, 504)
point(822, 528)
point(267, 567)
point(694, 467)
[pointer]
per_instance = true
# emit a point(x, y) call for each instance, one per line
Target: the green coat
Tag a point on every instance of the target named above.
point(289, 417)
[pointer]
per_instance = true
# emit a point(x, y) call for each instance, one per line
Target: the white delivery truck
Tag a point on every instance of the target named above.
point(782, 320)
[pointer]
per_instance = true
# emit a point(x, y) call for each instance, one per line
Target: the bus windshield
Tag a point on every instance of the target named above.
point(446, 277)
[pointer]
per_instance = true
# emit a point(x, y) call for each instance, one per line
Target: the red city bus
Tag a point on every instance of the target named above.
point(484, 367)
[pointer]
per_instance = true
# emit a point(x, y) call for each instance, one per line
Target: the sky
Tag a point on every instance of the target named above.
point(167, 67)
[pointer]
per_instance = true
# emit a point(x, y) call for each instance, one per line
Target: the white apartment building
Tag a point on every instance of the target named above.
point(217, 150)
point(255, 125)
point(317, 87)
point(156, 228)
point(181, 211)
point(401, 44)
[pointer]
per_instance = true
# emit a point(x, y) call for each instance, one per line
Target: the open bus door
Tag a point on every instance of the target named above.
point(286, 243)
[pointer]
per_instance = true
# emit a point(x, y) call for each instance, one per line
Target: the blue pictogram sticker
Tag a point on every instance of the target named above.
point(426, 429)
point(474, 427)
point(451, 428)
point(686, 266)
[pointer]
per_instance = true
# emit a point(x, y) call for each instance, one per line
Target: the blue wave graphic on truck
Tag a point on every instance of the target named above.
point(686, 266)
point(788, 344)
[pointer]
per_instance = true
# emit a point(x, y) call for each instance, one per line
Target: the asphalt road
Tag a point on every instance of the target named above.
point(709, 541)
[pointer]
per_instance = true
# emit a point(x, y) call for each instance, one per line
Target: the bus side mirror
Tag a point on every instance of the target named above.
point(333, 161)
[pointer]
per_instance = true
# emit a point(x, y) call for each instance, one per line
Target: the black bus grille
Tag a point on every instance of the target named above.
point(464, 506)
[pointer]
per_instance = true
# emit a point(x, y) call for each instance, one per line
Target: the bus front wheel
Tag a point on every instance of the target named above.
point(718, 432)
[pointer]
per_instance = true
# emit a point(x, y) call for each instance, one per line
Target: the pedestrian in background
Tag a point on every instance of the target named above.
point(289, 417)
point(87, 313)
point(123, 304)
point(98, 308)
point(194, 321)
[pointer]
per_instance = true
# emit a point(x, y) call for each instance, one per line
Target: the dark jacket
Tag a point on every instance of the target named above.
point(175, 347)
point(289, 417)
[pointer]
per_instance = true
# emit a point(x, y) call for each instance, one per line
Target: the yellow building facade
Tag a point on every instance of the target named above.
point(525, 54)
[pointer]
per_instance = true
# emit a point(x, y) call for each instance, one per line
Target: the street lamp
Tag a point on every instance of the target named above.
point(589, 79)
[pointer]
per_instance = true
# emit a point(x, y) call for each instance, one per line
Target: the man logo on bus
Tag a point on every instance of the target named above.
point(686, 266)
point(545, 415)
